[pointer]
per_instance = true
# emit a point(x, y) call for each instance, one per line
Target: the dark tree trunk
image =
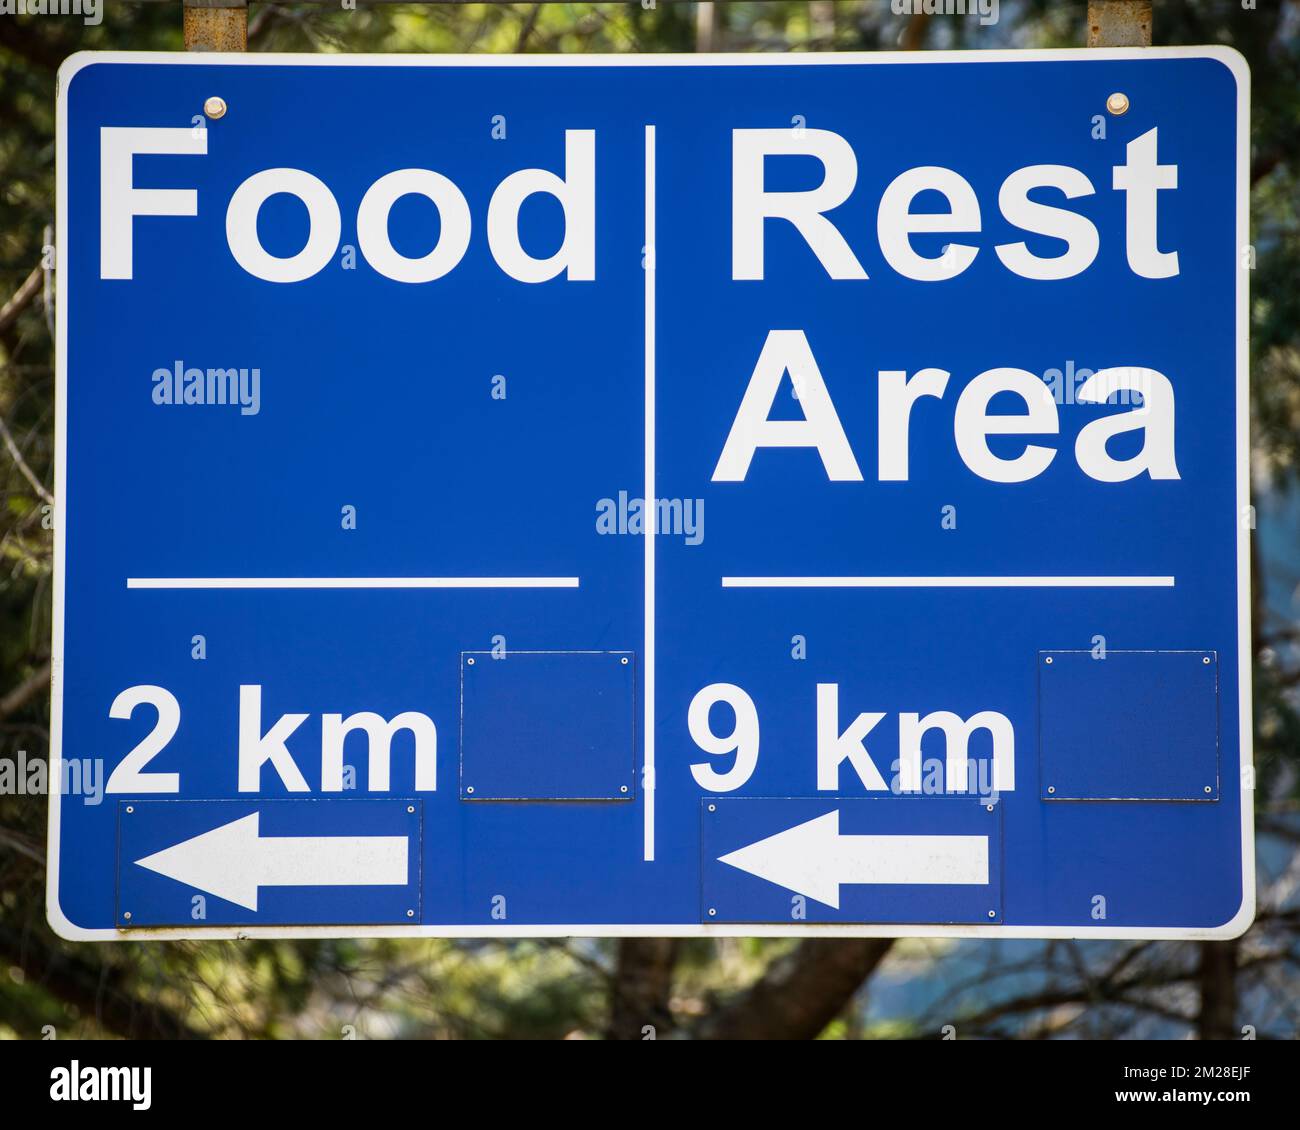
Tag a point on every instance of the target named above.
point(643, 981)
point(1217, 1019)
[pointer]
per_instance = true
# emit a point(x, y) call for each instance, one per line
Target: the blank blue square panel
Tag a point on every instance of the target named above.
point(899, 859)
point(299, 862)
point(1134, 725)
point(548, 725)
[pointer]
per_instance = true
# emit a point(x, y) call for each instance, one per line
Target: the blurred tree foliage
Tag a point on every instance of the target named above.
point(554, 989)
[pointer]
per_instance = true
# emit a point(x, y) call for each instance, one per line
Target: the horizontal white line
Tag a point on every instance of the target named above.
point(352, 582)
point(947, 582)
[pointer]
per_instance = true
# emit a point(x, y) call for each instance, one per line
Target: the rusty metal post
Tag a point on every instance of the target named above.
point(1119, 23)
point(216, 25)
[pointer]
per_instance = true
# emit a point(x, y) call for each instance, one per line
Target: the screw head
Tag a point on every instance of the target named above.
point(410, 808)
point(127, 915)
point(623, 661)
point(1117, 103)
point(1208, 789)
point(1206, 659)
point(214, 107)
point(469, 789)
point(993, 913)
point(1048, 659)
point(1051, 788)
point(712, 912)
point(713, 808)
point(410, 914)
point(130, 808)
point(469, 662)
point(989, 807)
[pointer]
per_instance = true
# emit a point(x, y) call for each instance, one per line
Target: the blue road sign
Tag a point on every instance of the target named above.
point(932, 369)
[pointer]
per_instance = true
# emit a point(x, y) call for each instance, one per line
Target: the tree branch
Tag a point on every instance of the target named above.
point(28, 689)
point(30, 288)
point(800, 993)
point(17, 456)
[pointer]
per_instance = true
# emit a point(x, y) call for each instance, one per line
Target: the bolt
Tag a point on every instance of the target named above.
point(215, 107)
point(623, 661)
point(469, 789)
point(470, 661)
point(713, 808)
point(993, 913)
point(990, 807)
point(410, 914)
point(130, 808)
point(127, 915)
point(1048, 659)
point(1206, 660)
point(622, 788)
point(410, 808)
point(712, 912)
point(1117, 103)
point(1051, 788)
point(1208, 789)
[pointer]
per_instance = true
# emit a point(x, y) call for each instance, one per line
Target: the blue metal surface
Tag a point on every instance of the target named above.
point(1128, 725)
point(379, 395)
point(548, 726)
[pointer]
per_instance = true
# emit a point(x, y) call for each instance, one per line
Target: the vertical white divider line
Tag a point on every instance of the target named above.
point(648, 729)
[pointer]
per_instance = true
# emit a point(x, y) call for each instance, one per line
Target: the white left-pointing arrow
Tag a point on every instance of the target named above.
point(233, 861)
point(814, 859)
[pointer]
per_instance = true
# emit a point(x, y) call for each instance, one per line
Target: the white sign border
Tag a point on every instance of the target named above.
point(1236, 926)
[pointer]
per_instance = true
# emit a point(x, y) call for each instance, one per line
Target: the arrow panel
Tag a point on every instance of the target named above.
point(282, 862)
point(888, 859)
